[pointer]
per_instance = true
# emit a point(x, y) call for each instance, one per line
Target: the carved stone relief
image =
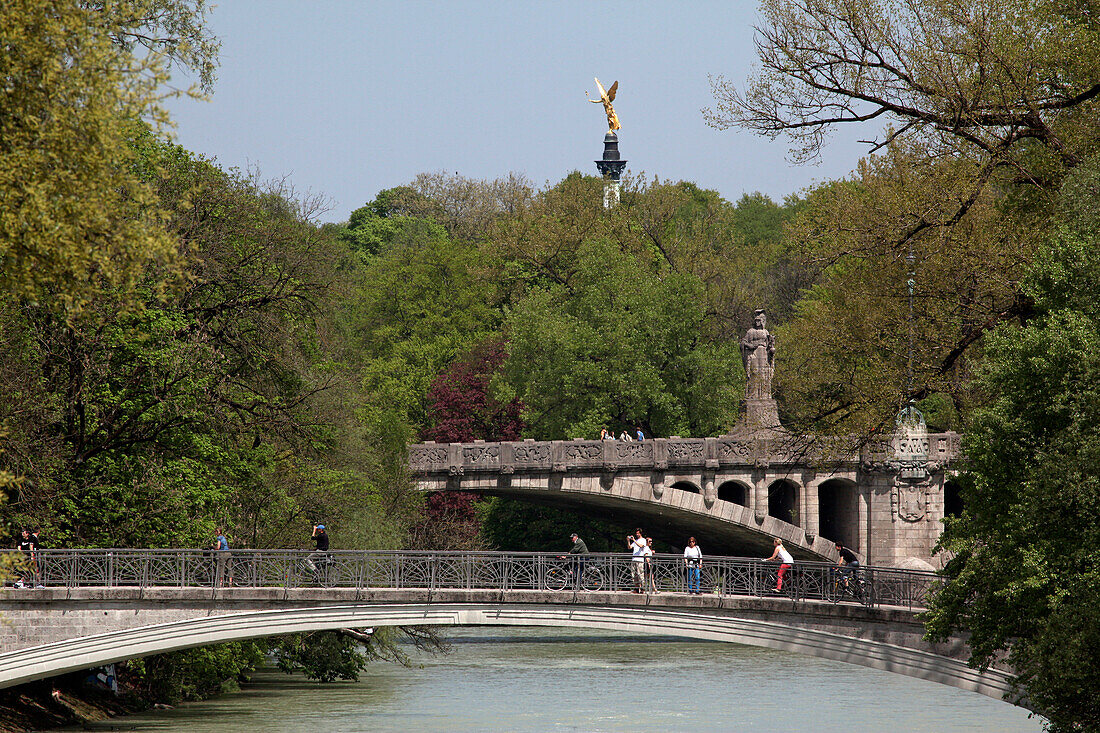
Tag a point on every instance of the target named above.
point(634, 452)
point(531, 453)
point(909, 501)
point(485, 455)
point(422, 456)
point(583, 452)
point(679, 451)
point(736, 451)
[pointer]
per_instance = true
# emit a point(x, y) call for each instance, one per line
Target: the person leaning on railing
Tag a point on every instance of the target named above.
point(224, 565)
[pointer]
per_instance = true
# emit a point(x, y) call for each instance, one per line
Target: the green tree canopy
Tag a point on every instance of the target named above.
point(620, 346)
point(74, 216)
point(1019, 582)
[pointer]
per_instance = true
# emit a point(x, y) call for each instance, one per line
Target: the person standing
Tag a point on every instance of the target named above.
point(785, 562)
point(693, 561)
point(222, 557)
point(578, 550)
point(640, 435)
point(25, 545)
point(320, 549)
point(650, 566)
point(36, 556)
point(637, 545)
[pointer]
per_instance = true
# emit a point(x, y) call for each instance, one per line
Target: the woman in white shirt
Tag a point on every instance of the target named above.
point(693, 561)
point(785, 562)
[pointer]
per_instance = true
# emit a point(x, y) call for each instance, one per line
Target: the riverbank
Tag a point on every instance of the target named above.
point(62, 701)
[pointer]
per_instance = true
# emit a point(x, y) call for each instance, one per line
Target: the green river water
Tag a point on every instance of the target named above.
point(540, 679)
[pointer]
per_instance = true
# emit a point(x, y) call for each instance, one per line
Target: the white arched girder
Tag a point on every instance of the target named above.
point(49, 660)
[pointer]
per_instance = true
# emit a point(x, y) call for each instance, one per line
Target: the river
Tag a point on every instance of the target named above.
point(541, 679)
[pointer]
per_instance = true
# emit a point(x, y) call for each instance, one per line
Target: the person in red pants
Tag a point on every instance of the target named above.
point(785, 562)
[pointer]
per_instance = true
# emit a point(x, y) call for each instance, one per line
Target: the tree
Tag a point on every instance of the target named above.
point(74, 217)
point(218, 399)
point(463, 410)
point(1008, 82)
point(1027, 588)
point(986, 107)
point(619, 347)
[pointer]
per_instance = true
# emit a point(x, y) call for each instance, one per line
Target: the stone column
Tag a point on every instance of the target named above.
point(811, 507)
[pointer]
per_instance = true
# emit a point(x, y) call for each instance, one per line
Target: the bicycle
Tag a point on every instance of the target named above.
point(846, 585)
point(791, 582)
point(319, 567)
point(562, 575)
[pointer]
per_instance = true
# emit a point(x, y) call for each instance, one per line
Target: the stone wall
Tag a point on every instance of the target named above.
point(886, 516)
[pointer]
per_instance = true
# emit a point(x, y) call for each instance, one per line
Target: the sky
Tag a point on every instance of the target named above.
point(345, 98)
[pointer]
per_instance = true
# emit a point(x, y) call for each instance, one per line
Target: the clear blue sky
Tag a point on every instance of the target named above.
point(347, 98)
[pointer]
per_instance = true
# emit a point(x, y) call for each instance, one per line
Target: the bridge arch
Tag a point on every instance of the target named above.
point(783, 501)
point(687, 486)
point(838, 512)
point(735, 492)
point(83, 652)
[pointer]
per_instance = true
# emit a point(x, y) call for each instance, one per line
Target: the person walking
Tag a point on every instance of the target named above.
point(693, 561)
point(637, 545)
point(785, 562)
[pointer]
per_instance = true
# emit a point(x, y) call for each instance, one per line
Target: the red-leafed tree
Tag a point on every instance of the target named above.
point(463, 410)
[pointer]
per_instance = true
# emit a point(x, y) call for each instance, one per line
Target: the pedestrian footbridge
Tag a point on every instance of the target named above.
point(98, 607)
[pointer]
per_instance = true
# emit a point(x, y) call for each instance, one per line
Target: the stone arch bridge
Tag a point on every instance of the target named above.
point(885, 499)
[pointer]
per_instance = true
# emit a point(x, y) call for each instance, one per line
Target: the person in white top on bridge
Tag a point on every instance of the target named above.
point(693, 561)
point(785, 562)
point(637, 545)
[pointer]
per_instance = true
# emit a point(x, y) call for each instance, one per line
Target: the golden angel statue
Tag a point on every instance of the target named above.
point(606, 98)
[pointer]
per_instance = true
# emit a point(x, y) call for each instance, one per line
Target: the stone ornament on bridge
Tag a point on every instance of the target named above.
point(758, 358)
point(910, 496)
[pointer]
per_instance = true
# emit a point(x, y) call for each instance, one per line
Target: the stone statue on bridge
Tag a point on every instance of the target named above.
point(758, 356)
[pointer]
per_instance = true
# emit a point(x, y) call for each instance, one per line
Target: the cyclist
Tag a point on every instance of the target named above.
point(785, 563)
point(847, 564)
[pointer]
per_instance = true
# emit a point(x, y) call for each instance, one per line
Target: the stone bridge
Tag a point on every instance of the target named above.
point(885, 500)
point(55, 630)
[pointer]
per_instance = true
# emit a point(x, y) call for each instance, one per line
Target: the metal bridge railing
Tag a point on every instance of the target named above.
point(503, 571)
